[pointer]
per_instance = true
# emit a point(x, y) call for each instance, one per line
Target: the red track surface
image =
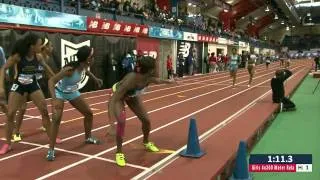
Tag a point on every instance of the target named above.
point(207, 98)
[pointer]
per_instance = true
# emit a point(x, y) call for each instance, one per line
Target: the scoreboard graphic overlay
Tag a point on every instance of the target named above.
point(280, 163)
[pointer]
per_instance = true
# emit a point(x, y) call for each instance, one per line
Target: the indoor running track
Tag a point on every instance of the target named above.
point(210, 99)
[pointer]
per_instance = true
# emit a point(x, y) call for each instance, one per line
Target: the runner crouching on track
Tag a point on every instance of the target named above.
point(129, 90)
point(27, 58)
point(46, 52)
point(64, 87)
point(251, 67)
point(233, 67)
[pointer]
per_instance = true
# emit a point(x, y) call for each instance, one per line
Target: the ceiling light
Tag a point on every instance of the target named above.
point(276, 17)
point(310, 18)
point(309, 14)
point(194, 5)
point(189, 4)
point(225, 10)
point(282, 22)
point(287, 28)
point(293, 26)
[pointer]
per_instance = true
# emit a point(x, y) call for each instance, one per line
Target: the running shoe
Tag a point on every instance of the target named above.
point(51, 155)
point(4, 149)
point(120, 159)
point(43, 129)
point(151, 147)
point(92, 140)
point(16, 137)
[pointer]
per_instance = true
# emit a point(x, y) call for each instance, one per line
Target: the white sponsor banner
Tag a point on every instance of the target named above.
point(68, 54)
point(190, 36)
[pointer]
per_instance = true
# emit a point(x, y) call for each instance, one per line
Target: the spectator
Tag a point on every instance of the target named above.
point(206, 61)
point(180, 65)
point(127, 64)
point(114, 5)
point(213, 62)
point(169, 67)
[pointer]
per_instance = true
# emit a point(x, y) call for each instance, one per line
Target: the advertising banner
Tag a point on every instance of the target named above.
point(114, 27)
point(164, 33)
point(189, 49)
point(35, 17)
point(222, 41)
point(187, 36)
point(207, 38)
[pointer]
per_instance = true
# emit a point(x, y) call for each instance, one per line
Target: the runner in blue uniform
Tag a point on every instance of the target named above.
point(26, 56)
point(64, 87)
point(233, 67)
point(128, 90)
point(46, 52)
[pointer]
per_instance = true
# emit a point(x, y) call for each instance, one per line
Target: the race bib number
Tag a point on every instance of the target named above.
point(25, 79)
point(14, 87)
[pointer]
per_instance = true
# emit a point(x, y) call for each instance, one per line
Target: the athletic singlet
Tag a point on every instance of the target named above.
point(130, 93)
point(234, 59)
point(252, 59)
point(27, 70)
point(69, 84)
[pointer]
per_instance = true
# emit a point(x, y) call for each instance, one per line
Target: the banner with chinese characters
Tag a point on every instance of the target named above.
point(207, 38)
point(35, 17)
point(113, 27)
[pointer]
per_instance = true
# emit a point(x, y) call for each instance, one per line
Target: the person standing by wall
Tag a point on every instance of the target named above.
point(169, 67)
point(180, 65)
point(213, 62)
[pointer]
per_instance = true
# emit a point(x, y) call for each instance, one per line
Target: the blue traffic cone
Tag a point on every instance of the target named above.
point(241, 171)
point(193, 147)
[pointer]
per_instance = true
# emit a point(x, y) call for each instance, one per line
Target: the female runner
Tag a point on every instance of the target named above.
point(128, 91)
point(251, 67)
point(27, 58)
point(46, 52)
point(64, 87)
point(233, 67)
